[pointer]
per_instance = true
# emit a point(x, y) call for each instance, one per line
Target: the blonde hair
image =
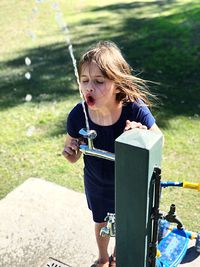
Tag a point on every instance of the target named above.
point(113, 66)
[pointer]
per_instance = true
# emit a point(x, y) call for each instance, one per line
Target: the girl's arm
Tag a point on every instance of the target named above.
point(71, 149)
point(155, 127)
point(134, 124)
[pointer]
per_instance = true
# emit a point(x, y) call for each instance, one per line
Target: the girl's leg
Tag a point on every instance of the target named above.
point(102, 243)
point(114, 254)
point(113, 259)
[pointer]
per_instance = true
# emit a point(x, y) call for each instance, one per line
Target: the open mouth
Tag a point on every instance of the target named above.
point(90, 100)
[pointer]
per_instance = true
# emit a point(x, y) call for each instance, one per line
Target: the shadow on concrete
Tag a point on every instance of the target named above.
point(191, 255)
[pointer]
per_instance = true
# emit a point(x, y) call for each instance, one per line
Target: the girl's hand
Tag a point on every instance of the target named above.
point(71, 149)
point(133, 124)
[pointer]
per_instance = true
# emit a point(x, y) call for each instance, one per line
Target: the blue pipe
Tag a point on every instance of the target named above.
point(168, 184)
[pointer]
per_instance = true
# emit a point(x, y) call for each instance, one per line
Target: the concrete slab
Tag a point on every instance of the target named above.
point(40, 219)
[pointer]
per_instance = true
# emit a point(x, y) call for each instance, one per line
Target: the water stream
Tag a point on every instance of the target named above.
point(63, 26)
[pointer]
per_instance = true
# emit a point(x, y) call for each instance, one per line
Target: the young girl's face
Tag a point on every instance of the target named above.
point(98, 91)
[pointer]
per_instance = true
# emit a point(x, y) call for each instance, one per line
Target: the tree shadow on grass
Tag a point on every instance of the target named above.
point(52, 76)
point(163, 49)
point(133, 5)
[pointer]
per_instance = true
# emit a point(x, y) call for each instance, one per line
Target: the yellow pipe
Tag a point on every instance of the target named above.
point(191, 185)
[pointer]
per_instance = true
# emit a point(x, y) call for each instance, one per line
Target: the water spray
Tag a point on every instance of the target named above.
point(86, 133)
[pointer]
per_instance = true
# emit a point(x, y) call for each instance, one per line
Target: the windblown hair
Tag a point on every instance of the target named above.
point(113, 66)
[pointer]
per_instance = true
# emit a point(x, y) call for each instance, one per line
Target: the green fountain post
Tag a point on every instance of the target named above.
point(137, 152)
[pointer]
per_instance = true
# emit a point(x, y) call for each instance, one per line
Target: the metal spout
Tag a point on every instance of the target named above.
point(171, 217)
point(90, 150)
point(97, 153)
point(90, 135)
point(109, 229)
point(105, 231)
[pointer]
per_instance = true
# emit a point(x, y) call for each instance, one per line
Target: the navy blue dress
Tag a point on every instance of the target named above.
point(99, 174)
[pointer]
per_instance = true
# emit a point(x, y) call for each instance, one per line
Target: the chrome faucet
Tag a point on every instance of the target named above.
point(90, 135)
point(109, 229)
point(90, 150)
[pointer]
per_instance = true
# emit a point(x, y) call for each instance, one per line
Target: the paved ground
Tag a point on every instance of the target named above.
point(40, 220)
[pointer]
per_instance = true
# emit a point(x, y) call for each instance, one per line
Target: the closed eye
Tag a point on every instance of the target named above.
point(99, 82)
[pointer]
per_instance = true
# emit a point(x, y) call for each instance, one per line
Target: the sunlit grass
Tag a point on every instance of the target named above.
point(159, 41)
point(37, 152)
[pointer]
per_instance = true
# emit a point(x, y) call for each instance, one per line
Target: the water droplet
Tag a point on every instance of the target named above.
point(27, 61)
point(27, 75)
point(30, 131)
point(34, 10)
point(58, 18)
point(58, 15)
point(32, 34)
point(55, 6)
point(65, 29)
point(28, 98)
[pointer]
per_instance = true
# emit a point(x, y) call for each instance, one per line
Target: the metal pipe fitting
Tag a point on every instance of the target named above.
point(90, 150)
point(97, 152)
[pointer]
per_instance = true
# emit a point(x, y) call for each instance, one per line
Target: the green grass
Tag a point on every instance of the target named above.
point(159, 39)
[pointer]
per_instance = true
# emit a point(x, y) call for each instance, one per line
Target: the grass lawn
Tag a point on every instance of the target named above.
point(160, 40)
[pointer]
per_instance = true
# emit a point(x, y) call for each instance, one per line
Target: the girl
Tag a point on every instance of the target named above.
point(115, 101)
